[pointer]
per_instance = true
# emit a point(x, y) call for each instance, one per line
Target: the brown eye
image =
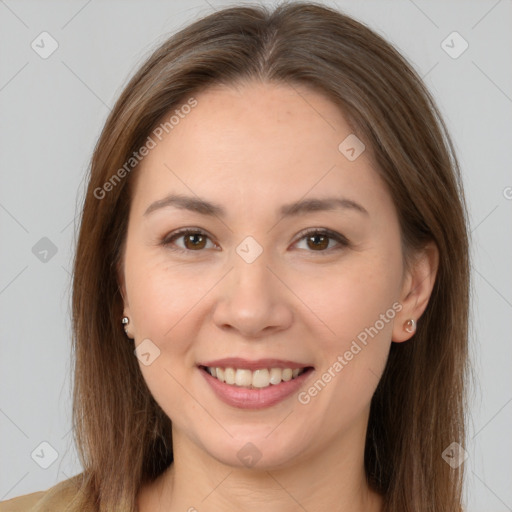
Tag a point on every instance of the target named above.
point(323, 240)
point(193, 240)
point(318, 242)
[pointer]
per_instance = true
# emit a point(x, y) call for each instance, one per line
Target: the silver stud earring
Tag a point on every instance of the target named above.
point(125, 321)
point(410, 325)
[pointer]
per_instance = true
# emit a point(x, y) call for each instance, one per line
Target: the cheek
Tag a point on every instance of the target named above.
point(162, 293)
point(352, 297)
point(163, 300)
point(357, 306)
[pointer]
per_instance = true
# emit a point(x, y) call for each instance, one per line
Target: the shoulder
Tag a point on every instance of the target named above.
point(54, 499)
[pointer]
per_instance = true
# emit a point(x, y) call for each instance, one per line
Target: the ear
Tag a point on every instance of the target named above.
point(416, 290)
point(122, 289)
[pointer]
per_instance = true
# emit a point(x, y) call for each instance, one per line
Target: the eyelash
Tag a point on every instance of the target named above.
point(338, 237)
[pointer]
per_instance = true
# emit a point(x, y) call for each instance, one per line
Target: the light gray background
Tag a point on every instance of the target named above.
point(52, 111)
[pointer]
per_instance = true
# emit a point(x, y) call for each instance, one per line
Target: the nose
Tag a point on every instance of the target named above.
point(252, 300)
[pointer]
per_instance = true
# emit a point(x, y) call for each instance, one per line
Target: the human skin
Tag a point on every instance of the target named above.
point(252, 149)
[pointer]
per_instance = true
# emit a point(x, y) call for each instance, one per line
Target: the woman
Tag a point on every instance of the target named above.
point(270, 294)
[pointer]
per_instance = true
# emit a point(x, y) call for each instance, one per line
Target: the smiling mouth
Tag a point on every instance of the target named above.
point(254, 379)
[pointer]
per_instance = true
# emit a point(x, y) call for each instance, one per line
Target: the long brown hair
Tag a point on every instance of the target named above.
point(122, 435)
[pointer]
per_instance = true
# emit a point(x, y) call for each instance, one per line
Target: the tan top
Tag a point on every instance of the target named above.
point(54, 499)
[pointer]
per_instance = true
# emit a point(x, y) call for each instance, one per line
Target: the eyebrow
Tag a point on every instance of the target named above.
point(203, 207)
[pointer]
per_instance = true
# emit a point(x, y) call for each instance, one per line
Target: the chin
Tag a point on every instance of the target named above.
point(255, 452)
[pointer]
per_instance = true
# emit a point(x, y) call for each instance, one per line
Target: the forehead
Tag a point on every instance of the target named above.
point(260, 141)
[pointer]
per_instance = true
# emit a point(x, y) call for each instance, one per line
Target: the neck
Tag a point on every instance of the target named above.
point(333, 479)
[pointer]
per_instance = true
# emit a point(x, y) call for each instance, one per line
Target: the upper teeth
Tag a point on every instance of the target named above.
point(258, 378)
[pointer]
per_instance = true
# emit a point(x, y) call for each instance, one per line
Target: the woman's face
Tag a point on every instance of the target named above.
point(251, 286)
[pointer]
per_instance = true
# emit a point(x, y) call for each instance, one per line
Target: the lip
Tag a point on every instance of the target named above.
point(259, 364)
point(246, 398)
